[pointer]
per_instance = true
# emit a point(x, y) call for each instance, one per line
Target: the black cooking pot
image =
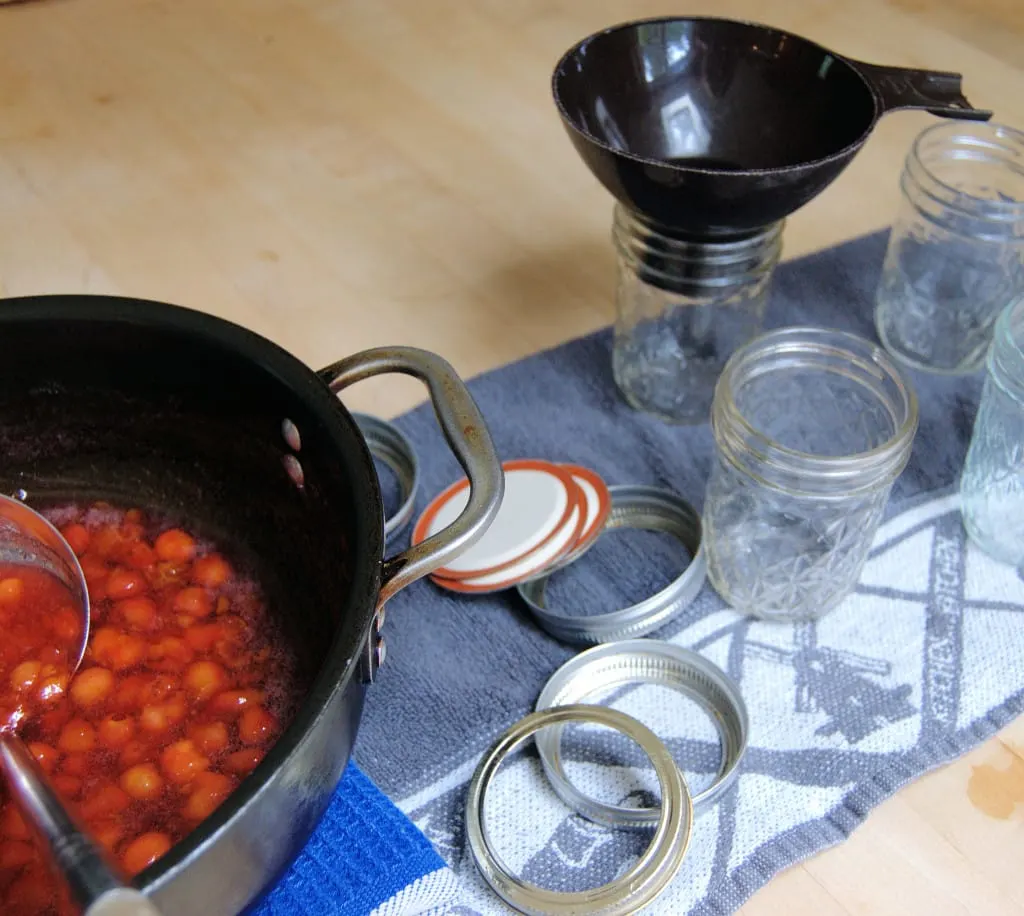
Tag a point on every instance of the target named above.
point(157, 406)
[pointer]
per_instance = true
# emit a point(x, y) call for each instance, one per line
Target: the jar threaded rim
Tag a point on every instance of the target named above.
point(783, 467)
point(994, 143)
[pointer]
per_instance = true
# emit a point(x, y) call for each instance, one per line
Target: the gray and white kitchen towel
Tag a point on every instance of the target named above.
point(924, 661)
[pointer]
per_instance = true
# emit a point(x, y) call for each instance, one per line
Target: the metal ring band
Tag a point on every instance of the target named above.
point(638, 507)
point(643, 661)
point(648, 877)
point(388, 444)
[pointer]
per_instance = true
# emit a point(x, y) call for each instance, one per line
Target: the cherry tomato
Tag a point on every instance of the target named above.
point(105, 541)
point(203, 679)
point(181, 761)
point(138, 613)
point(256, 726)
point(117, 649)
point(175, 546)
point(138, 555)
point(107, 833)
point(77, 536)
point(142, 781)
point(11, 590)
point(208, 791)
point(194, 602)
point(92, 686)
point(210, 737)
point(46, 755)
point(116, 731)
point(144, 851)
point(232, 703)
point(211, 571)
point(244, 761)
point(203, 637)
point(107, 801)
point(24, 676)
point(125, 583)
point(77, 735)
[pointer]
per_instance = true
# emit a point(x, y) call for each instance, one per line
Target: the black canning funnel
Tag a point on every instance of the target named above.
point(716, 127)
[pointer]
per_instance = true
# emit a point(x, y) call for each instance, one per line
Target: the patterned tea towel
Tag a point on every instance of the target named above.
point(924, 661)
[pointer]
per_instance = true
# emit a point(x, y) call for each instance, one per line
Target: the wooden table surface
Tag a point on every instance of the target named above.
point(338, 174)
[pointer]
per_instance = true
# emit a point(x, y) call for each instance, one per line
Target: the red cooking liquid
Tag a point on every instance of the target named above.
point(184, 686)
point(41, 627)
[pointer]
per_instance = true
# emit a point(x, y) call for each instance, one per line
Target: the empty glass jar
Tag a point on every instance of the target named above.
point(683, 307)
point(992, 485)
point(811, 428)
point(956, 253)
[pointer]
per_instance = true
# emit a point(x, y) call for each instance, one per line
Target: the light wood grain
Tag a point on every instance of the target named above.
point(338, 175)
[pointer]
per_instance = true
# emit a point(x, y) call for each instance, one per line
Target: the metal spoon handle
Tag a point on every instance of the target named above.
point(93, 882)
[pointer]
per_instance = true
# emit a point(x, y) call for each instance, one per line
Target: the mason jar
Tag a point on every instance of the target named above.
point(992, 484)
point(682, 308)
point(811, 427)
point(956, 253)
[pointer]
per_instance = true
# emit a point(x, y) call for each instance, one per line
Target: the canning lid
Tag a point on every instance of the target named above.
point(550, 515)
point(532, 564)
point(643, 508)
point(597, 501)
point(539, 501)
point(593, 502)
point(648, 876)
point(633, 662)
point(388, 444)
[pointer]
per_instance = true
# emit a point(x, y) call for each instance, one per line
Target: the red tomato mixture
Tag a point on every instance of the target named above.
point(183, 688)
point(41, 627)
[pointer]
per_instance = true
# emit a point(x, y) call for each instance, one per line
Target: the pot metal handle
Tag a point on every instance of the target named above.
point(935, 91)
point(464, 429)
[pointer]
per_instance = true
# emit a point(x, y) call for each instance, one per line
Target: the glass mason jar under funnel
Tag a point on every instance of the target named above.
point(683, 307)
point(956, 253)
point(713, 131)
point(811, 428)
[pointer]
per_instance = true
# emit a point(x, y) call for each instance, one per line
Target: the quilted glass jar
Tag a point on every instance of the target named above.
point(956, 253)
point(811, 428)
point(992, 485)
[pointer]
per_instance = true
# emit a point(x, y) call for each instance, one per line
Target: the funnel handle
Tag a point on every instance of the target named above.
point(935, 91)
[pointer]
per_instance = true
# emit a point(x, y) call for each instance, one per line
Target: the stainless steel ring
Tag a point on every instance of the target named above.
point(643, 661)
point(645, 508)
point(644, 881)
point(388, 444)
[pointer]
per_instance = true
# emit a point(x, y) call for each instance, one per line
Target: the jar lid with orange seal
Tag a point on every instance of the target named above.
point(550, 514)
